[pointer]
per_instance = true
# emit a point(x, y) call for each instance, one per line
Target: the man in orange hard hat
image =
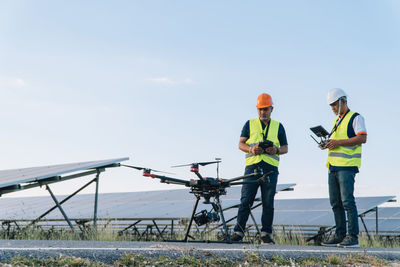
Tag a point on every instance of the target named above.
point(256, 133)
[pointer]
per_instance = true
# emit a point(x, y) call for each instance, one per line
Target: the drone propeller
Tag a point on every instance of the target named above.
point(197, 163)
point(145, 169)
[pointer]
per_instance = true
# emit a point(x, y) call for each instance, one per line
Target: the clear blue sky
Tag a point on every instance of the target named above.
point(173, 82)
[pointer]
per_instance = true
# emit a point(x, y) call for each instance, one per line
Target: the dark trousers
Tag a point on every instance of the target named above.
point(249, 191)
point(341, 196)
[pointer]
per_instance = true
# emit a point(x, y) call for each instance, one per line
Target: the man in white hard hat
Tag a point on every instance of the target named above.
point(344, 160)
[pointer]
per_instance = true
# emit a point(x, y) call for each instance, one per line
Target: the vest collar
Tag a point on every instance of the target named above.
point(342, 116)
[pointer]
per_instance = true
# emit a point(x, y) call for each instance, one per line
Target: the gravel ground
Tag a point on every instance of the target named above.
point(108, 252)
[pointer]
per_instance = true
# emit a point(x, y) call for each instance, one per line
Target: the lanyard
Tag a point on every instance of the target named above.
point(266, 132)
point(338, 123)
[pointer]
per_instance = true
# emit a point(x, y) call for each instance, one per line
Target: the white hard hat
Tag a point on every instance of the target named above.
point(335, 94)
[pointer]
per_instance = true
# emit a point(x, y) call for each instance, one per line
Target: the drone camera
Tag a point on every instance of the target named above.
point(204, 217)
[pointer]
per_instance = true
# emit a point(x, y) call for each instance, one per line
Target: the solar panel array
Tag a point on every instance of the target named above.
point(151, 204)
point(179, 203)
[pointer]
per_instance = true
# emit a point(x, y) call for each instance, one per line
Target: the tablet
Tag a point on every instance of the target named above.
point(319, 131)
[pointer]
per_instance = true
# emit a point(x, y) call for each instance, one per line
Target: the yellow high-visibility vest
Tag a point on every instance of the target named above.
point(344, 156)
point(256, 136)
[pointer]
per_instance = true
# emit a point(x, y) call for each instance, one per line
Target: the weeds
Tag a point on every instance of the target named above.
point(132, 260)
point(109, 234)
point(379, 241)
point(311, 261)
point(279, 260)
point(252, 259)
point(333, 260)
point(365, 259)
point(61, 261)
point(289, 238)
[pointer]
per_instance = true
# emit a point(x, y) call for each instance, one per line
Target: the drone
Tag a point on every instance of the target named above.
point(208, 188)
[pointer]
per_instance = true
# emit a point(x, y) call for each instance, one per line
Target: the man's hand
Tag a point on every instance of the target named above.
point(322, 147)
point(354, 141)
point(271, 150)
point(256, 150)
point(332, 144)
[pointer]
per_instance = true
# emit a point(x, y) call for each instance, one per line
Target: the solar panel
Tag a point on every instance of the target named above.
point(150, 204)
point(386, 213)
point(388, 220)
point(384, 226)
point(316, 211)
point(13, 180)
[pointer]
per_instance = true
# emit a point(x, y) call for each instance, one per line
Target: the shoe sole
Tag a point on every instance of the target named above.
point(351, 246)
point(329, 245)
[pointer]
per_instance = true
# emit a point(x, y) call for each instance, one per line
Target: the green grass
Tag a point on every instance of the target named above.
point(61, 261)
point(379, 241)
point(252, 259)
point(107, 234)
point(207, 259)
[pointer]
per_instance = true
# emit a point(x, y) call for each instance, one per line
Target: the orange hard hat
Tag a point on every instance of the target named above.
point(264, 101)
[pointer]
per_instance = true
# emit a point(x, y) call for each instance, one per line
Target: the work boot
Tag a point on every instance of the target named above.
point(266, 238)
point(349, 242)
point(333, 241)
point(237, 236)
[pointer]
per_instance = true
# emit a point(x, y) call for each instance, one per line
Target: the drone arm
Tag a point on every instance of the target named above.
point(174, 181)
point(249, 182)
point(199, 175)
point(241, 177)
point(258, 181)
point(148, 174)
point(167, 180)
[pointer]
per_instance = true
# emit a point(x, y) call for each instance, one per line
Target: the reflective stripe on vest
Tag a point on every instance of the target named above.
point(344, 156)
point(256, 136)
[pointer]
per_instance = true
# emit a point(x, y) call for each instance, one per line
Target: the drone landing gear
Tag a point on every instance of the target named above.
point(218, 210)
point(191, 220)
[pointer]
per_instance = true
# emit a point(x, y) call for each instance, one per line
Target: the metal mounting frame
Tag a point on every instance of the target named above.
point(18, 186)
